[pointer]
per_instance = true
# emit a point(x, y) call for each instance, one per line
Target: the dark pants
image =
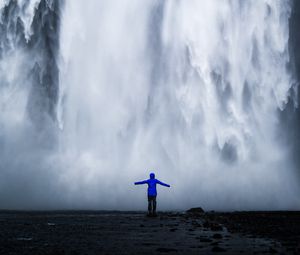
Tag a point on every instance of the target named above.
point(152, 204)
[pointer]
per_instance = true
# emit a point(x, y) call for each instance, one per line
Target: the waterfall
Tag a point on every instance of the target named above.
point(191, 90)
point(29, 34)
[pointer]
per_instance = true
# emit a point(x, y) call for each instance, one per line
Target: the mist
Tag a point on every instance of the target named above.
point(95, 95)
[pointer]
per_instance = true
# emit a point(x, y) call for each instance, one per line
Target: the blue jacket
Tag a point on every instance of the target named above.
point(152, 185)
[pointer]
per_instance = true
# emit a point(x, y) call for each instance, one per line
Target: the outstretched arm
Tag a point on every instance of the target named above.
point(142, 182)
point(163, 184)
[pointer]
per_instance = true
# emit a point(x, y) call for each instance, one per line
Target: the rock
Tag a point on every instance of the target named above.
point(206, 224)
point(272, 250)
point(217, 236)
point(205, 240)
point(166, 249)
point(196, 210)
point(216, 227)
point(148, 244)
point(217, 249)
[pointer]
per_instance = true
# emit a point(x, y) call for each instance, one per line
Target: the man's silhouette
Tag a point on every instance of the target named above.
point(152, 193)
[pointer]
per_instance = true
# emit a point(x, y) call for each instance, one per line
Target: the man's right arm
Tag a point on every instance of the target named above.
point(163, 184)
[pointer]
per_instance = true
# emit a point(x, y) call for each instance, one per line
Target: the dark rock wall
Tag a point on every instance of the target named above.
point(42, 48)
point(291, 115)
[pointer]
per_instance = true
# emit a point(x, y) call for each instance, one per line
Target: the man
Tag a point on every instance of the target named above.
point(152, 193)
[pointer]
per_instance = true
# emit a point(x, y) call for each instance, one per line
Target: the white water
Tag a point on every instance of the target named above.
point(187, 89)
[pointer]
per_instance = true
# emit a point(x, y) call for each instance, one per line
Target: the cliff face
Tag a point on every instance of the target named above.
point(29, 38)
point(295, 36)
point(291, 115)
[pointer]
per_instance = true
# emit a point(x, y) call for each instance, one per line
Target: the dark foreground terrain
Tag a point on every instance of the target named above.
point(193, 232)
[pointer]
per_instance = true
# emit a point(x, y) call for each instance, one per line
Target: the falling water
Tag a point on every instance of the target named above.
point(192, 90)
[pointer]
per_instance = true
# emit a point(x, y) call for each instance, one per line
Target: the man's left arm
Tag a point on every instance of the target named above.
point(139, 183)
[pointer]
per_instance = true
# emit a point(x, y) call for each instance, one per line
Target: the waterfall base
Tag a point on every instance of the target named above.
point(95, 232)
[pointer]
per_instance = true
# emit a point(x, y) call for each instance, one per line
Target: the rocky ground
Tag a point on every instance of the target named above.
point(192, 232)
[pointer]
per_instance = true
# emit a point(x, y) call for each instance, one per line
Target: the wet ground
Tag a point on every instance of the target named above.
point(94, 232)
